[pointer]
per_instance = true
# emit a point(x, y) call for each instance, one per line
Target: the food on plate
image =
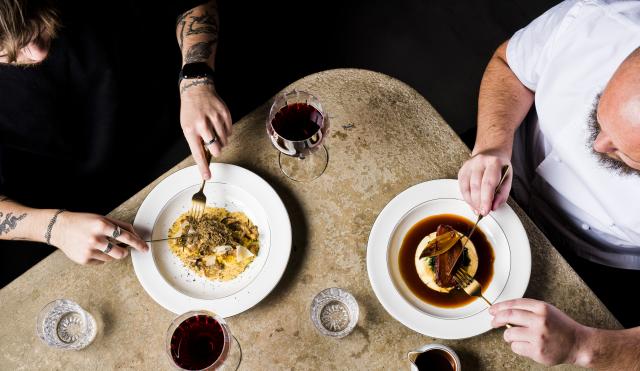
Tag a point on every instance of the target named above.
point(437, 271)
point(441, 239)
point(219, 246)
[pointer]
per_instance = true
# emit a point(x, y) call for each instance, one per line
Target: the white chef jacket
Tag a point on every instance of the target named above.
point(567, 56)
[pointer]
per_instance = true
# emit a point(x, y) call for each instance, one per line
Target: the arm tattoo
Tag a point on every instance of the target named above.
point(204, 81)
point(199, 52)
point(10, 222)
point(205, 23)
point(182, 22)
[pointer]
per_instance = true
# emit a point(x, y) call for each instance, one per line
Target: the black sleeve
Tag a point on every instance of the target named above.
point(1, 174)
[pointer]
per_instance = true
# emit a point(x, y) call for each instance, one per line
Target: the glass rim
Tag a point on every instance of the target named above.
point(282, 96)
point(88, 321)
point(225, 332)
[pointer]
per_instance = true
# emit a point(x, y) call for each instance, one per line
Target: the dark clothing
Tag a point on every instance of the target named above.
point(82, 129)
point(105, 99)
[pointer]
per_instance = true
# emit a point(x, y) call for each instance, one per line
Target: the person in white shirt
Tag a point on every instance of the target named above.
point(576, 162)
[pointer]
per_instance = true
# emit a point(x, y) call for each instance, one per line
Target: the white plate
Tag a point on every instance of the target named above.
point(503, 229)
point(174, 286)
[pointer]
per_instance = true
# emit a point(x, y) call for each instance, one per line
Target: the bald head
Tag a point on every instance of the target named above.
point(618, 114)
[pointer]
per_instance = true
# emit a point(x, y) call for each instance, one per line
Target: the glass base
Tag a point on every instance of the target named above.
point(232, 363)
point(305, 168)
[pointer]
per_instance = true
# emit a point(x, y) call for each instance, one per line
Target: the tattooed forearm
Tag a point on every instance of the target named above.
point(199, 52)
point(197, 31)
point(10, 222)
point(195, 83)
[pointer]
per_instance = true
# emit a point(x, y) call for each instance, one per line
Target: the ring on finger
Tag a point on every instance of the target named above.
point(215, 139)
point(116, 232)
point(108, 248)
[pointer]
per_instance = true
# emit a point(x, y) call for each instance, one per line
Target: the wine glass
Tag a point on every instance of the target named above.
point(297, 125)
point(201, 340)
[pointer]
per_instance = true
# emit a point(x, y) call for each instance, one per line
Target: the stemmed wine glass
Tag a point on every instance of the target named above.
point(297, 125)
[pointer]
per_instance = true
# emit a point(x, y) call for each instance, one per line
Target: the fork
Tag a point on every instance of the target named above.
point(471, 286)
point(199, 200)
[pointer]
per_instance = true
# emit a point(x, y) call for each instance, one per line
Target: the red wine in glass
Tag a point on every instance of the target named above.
point(197, 342)
point(297, 126)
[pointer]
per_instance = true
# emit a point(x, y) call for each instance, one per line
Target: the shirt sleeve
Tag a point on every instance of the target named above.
point(529, 49)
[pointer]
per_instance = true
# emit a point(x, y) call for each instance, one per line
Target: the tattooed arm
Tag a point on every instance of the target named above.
point(18, 222)
point(82, 237)
point(203, 114)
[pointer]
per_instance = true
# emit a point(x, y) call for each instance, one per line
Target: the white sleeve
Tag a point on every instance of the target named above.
point(529, 48)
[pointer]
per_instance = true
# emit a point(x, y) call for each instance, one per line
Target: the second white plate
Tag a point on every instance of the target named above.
point(512, 265)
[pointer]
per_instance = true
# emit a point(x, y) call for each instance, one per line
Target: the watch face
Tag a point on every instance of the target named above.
point(196, 70)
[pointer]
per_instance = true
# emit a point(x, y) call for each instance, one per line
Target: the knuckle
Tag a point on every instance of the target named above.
point(201, 126)
point(543, 309)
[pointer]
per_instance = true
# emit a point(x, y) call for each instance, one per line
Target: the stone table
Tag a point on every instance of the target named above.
point(384, 138)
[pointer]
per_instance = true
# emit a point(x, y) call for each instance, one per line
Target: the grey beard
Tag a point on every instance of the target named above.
point(617, 166)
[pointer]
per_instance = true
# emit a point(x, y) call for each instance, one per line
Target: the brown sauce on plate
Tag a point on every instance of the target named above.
point(406, 260)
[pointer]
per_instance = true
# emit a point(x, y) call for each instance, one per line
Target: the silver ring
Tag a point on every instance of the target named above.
point(215, 138)
point(116, 232)
point(108, 248)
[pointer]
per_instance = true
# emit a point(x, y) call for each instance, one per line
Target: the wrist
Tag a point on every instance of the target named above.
point(197, 84)
point(53, 223)
point(502, 151)
point(39, 220)
point(584, 349)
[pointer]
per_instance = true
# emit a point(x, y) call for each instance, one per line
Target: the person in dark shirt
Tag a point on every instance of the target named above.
point(83, 95)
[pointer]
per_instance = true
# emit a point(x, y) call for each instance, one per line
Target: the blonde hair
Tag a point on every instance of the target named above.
point(26, 21)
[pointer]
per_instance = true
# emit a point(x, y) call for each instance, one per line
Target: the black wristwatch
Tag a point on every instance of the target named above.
point(196, 70)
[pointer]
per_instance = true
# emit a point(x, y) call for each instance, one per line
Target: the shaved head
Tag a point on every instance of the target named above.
point(616, 134)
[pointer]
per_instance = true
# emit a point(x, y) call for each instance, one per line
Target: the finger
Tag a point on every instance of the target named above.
point(116, 252)
point(99, 256)
point(123, 225)
point(220, 129)
point(522, 348)
point(503, 195)
point(226, 116)
point(490, 180)
point(516, 317)
point(475, 184)
point(463, 183)
point(132, 240)
point(195, 145)
point(520, 334)
point(531, 305)
point(208, 134)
